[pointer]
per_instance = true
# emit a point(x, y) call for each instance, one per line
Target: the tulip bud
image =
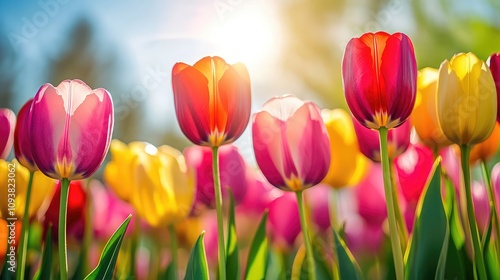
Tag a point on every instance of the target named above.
point(7, 124)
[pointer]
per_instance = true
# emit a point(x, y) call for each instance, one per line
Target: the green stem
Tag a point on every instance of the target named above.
point(173, 250)
point(134, 242)
point(218, 206)
point(478, 254)
point(23, 249)
point(87, 235)
point(403, 231)
point(303, 223)
point(493, 204)
point(63, 205)
point(394, 235)
point(333, 224)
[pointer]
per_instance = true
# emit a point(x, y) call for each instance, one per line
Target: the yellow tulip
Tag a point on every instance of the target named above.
point(15, 186)
point(163, 187)
point(424, 115)
point(348, 165)
point(466, 100)
point(485, 150)
point(118, 172)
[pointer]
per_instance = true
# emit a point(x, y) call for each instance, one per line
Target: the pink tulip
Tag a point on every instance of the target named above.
point(451, 165)
point(369, 142)
point(495, 180)
point(22, 147)
point(413, 168)
point(291, 143)
point(363, 238)
point(71, 125)
point(259, 194)
point(232, 173)
point(481, 205)
point(109, 211)
point(318, 200)
point(371, 197)
point(7, 124)
point(283, 221)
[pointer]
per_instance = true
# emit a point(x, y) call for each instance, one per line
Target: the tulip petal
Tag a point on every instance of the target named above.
point(22, 147)
point(7, 124)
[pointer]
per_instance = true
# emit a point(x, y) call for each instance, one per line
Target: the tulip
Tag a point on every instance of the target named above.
point(164, 188)
point(370, 197)
point(22, 146)
point(73, 126)
point(109, 211)
point(494, 64)
point(118, 172)
point(379, 73)
point(466, 100)
point(291, 143)
point(292, 149)
point(283, 221)
point(7, 124)
point(43, 188)
point(467, 109)
point(259, 194)
point(424, 115)
point(232, 174)
point(486, 149)
point(413, 168)
point(318, 202)
point(212, 100)
point(347, 164)
point(77, 205)
point(481, 205)
point(369, 142)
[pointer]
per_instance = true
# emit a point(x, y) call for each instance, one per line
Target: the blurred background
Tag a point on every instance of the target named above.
point(289, 46)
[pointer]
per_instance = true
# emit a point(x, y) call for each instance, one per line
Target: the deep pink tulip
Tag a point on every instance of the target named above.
point(212, 100)
point(379, 72)
point(291, 143)
point(22, 146)
point(232, 174)
point(363, 238)
point(369, 141)
point(70, 129)
point(371, 197)
point(481, 205)
point(494, 63)
point(451, 165)
point(495, 180)
point(318, 201)
point(259, 194)
point(109, 211)
point(413, 168)
point(284, 221)
point(7, 124)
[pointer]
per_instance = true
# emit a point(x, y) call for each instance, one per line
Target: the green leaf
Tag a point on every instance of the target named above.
point(45, 270)
point(232, 260)
point(197, 267)
point(487, 234)
point(106, 266)
point(427, 251)
point(491, 261)
point(348, 267)
point(257, 256)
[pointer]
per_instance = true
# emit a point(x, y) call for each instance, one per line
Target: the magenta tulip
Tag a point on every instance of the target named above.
point(379, 72)
point(318, 200)
point(284, 221)
point(291, 143)
point(259, 194)
point(494, 63)
point(22, 146)
point(413, 168)
point(232, 174)
point(7, 124)
point(370, 197)
point(369, 141)
point(70, 129)
point(495, 180)
point(481, 205)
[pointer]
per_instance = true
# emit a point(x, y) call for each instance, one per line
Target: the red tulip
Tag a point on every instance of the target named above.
point(73, 125)
point(77, 204)
point(379, 72)
point(7, 124)
point(369, 141)
point(212, 100)
point(291, 143)
point(22, 147)
point(232, 173)
point(494, 63)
